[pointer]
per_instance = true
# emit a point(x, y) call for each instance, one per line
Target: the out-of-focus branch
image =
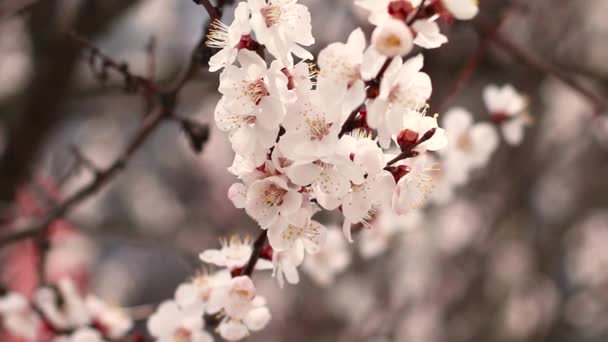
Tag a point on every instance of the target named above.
point(102, 178)
point(11, 8)
point(524, 57)
point(132, 81)
point(164, 110)
point(55, 57)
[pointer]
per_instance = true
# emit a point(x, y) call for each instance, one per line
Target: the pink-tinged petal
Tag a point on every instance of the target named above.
point(301, 52)
point(316, 235)
point(354, 97)
point(299, 29)
point(438, 141)
point(257, 318)
point(371, 160)
point(272, 112)
point(249, 58)
point(332, 182)
point(187, 295)
point(276, 236)
point(164, 320)
point(376, 111)
point(292, 201)
point(225, 56)
point(429, 35)
point(383, 188)
point(356, 205)
point(456, 121)
point(238, 195)
point(264, 265)
point(327, 201)
point(303, 174)
point(330, 89)
point(232, 330)
point(390, 77)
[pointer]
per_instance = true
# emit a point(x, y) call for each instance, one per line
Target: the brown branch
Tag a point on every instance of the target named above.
point(165, 110)
point(258, 247)
point(465, 74)
point(55, 58)
point(102, 178)
point(132, 81)
point(9, 9)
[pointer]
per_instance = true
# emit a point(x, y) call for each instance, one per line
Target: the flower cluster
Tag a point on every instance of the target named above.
point(230, 301)
point(473, 143)
point(350, 135)
point(309, 140)
point(60, 314)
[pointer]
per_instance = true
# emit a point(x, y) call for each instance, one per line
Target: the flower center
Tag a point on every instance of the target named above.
point(391, 41)
point(271, 14)
point(256, 90)
point(273, 196)
point(317, 128)
point(292, 232)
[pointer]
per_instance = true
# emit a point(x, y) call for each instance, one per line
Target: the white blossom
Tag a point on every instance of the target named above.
point(508, 108)
point(242, 310)
point(414, 188)
point(472, 144)
point(233, 254)
point(462, 9)
point(72, 313)
point(404, 89)
point(297, 230)
point(171, 323)
point(113, 320)
point(383, 10)
point(428, 34)
point(270, 197)
point(228, 38)
point(18, 317)
point(282, 26)
point(331, 260)
point(393, 38)
point(286, 265)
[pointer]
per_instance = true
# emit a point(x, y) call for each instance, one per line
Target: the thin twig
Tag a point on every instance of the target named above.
point(122, 68)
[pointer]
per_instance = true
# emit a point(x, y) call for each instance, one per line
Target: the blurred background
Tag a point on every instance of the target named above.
point(519, 254)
